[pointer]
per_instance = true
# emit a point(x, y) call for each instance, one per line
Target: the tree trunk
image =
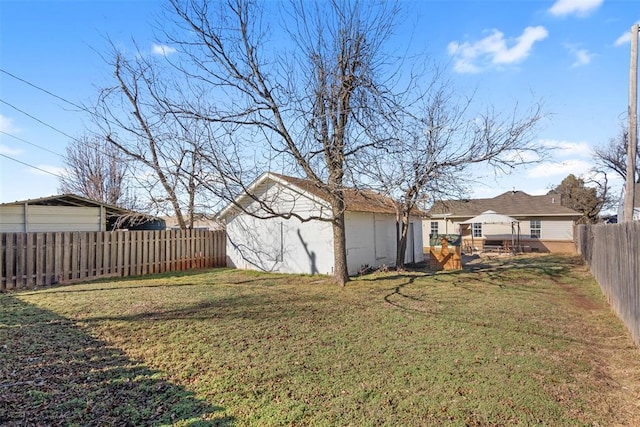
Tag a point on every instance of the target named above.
point(401, 247)
point(340, 270)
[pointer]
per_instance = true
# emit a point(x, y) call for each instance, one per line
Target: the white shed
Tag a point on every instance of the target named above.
point(302, 245)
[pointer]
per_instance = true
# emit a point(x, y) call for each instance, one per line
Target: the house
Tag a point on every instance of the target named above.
point(302, 245)
point(636, 204)
point(69, 212)
point(543, 224)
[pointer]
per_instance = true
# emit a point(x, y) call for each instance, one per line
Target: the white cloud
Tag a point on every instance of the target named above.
point(6, 125)
point(623, 39)
point(566, 148)
point(577, 7)
point(562, 169)
point(581, 56)
point(161, 49)
point(474, 57)
point(4, 149)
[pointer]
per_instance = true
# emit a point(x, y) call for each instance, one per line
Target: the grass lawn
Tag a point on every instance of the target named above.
point(515, 341)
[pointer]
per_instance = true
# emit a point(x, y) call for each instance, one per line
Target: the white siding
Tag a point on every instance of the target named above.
point(556, 229)
point(292, 246)
point(498, 231)
point(361, 242)
point(371, 240)
point(444, 227)
point(285, 200)
point(50, 218)
point(418, 242)
point(278, 244)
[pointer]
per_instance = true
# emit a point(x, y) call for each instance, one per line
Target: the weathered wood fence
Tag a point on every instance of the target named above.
point(29, 260)
point(613, 254)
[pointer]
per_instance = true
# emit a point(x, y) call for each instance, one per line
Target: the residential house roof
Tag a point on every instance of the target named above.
point(356, 200)
point(512, 203)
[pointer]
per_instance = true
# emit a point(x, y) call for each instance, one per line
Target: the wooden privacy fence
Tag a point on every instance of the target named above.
point(30, 260)
point(613, 254)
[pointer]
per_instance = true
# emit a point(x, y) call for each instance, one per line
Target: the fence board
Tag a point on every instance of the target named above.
point(9, 265)
point(43, 259)
point(29, 259)
point(20, 259)
point(612, 252)
point(3, 255)
point(98, 254)
point(40, 252)
point(49, 260)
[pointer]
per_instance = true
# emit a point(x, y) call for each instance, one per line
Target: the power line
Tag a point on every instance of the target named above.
point(42, 89)
point(31, 143)
point(77, 140)
point(31, 166)
point(36, 119)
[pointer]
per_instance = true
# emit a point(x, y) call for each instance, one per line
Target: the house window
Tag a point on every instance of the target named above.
point(434, 228)
point(536, 228)
point(477, 229)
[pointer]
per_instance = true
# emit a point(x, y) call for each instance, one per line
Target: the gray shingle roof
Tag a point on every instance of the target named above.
point(512, 203)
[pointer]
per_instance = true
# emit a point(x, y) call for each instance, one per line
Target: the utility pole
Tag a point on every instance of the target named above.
point(633, 128)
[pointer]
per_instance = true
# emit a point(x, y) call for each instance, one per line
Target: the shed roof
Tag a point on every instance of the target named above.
point(70, 200)
point(112, 212)
point(356, 200)
point(512, 203)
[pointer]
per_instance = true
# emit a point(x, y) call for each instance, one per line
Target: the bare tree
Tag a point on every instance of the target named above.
point(96, 170)
point(433, 143)
point(135, 119)
point(613, 157)
point(307, 104)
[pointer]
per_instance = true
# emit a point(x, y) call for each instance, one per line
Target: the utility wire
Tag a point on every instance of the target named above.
point(31, 143)
point(36, 119)
point(31, 166)
point(77, 140)
point(42, 89)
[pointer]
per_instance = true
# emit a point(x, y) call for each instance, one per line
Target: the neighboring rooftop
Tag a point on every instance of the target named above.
point(512, 203)
point(115, 215)
point(69, 200)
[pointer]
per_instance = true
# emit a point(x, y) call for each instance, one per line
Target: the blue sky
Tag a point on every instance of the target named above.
point(572, 54)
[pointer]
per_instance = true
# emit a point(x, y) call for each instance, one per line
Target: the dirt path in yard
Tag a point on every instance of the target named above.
point(608, 349)
point(615, 357)
point(611, 357)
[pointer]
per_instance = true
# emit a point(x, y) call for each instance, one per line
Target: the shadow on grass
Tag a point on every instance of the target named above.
point(54, 373)
point(115, 283)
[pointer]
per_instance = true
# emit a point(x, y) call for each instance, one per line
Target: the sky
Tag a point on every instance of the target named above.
point(573, 55)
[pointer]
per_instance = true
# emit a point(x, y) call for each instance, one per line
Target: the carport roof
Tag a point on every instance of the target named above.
point(74, 200)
